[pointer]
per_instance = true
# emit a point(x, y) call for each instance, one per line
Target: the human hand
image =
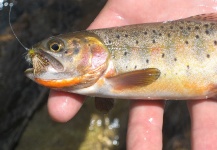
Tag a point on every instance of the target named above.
point(146, 116)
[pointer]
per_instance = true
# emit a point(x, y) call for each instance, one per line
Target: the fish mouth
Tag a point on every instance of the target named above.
point(29, 73)
point(44, 65)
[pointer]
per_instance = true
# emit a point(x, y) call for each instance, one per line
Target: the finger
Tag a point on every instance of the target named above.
point(145, 125)
point(204, 124)
point(63, 106)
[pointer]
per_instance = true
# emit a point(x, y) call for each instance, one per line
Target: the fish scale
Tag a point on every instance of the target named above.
point(165, 60)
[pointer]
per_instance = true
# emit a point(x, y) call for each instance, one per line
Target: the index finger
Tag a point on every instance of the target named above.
point(62, 106)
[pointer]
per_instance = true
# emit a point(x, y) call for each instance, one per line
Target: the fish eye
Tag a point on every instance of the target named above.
point(55, 45)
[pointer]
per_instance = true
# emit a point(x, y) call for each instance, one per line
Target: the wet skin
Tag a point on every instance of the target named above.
point(146, 117)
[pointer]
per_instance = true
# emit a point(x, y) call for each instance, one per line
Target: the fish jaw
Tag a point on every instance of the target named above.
point(73, 83)
point(51, 83)
point(44, 65)
point(29, 73)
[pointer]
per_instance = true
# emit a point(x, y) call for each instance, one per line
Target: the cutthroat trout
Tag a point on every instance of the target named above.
point(162, 60)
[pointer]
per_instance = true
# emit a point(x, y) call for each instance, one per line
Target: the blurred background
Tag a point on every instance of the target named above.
point(24, 120)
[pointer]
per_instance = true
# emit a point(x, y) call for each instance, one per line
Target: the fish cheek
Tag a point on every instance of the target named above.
point(82, 59)
point(99, 55)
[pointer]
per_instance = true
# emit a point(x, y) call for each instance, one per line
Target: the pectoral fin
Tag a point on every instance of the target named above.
point(138, 78)
point(104, 105)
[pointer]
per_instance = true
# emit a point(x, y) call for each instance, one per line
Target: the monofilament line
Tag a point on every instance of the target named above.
point(11, 5)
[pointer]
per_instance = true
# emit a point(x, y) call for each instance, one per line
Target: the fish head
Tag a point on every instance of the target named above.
point(75, 60)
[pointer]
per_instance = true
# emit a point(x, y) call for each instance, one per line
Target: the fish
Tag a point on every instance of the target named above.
point(170, 60)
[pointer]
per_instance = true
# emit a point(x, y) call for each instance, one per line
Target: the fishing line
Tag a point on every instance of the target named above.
point(11, 5)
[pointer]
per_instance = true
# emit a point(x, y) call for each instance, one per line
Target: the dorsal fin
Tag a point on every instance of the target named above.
point(203, 17)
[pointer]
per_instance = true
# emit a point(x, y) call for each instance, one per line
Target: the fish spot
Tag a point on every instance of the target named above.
point(137, 42)
point(215, 42)
point(135, 67)
point(197, 28)
point(171, 27)
point(208, 56)
point(74, 42)
point(126, 35)
point(207, 32)
point(197, 36)
point(181, 27)
point(118, 36)
point(162, 27)
point(126, 67)
point(145, 33)
point(153, 31)
point(206, 25)
point(125, 53)
point(188, 67)
point(160, 34)
point(85, 40)
point(153, 41)
point(175, 59)
point(109, 41)
point(168, 35)
point(162, 55)
point(76, 51)
point(147, 61)
point(66, 52)
point(189, 28)
point(186, 42)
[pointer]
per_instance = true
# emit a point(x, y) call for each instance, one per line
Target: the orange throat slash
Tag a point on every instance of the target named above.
point(61, 83)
